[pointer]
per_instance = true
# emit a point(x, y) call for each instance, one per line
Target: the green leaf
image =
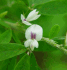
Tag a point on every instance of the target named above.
point(3, 14)
point(8, 64)
point(56, 61)
point(54, 31)
point(6, 36)
point(24, 63)
point(4, 64)
point(27, 63)
point(53, 8)
point(37, 2)
point(26, 2)
point(2, 29)
point(7, 3)
point(33, 63)
point(10, 50)
point(15, 37)
point(12, 63)
point(18, 8)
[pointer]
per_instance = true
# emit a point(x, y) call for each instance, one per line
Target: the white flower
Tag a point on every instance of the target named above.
point(33, 34)
point(32, 43)
point(33, 15)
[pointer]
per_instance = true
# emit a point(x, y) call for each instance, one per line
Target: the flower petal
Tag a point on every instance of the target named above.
point(34, 43)
point(35, 29)
point(27, 43)
point(26, 23)
point(31, 15)
point(22, 17)
point(34, 18)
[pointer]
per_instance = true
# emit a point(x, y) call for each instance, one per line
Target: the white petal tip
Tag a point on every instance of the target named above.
point(34, 43)
point(27, 23)
point(22, 17)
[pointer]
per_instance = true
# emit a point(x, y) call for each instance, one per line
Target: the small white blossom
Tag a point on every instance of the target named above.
point(33, 15)
point(33, 34)
point(32, 43)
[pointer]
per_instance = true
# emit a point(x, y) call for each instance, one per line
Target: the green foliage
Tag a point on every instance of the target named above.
point(12, 62)
point(10, 50)
point(45, 47)
point(2, 29)
point(13, 54)
point(27, 63)
point(33, 63)
point(34, 3)
point(4, 24)
point(4, 64)
point(53, 8)
point(3, 14)
point(47, 22)
point(6, 36)
point(56, 60)
point(24, 63)
point(17, 9)
point(16, 38)
point(54, 31)
point(37, 2)
point(8, 64)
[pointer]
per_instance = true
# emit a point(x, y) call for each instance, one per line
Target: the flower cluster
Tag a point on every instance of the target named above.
point(34, 32)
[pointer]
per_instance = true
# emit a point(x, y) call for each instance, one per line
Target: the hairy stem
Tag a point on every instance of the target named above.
point(53, 43)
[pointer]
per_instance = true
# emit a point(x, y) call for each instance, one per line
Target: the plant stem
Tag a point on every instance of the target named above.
point(16, 26)
point(53, 43)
